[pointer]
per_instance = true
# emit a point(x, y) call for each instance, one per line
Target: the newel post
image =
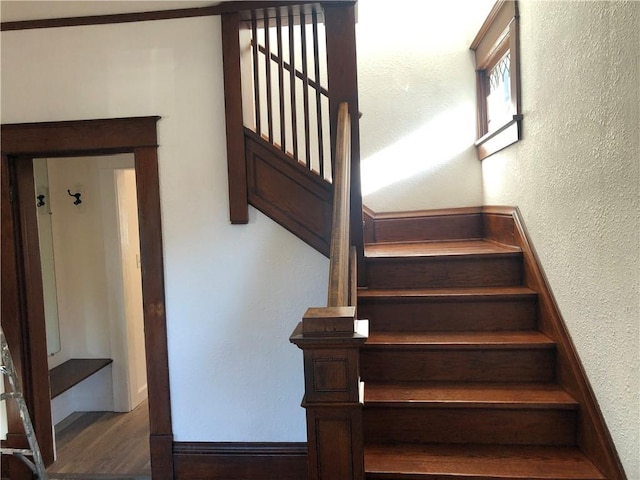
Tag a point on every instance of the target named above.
point(330, 339)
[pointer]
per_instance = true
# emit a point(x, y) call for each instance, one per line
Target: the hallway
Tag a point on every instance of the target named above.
point(103, 445)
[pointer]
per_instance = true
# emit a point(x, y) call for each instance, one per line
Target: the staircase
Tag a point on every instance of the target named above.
point(460, 382)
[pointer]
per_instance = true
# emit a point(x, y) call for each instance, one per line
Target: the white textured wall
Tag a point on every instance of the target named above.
point(233, 293)
point(575, 177)
point(416, 81)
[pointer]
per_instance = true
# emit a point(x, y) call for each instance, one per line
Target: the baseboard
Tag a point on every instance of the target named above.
point(240, 460)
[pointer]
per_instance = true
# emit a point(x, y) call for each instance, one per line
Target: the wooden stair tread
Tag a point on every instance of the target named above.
point(498, 339)
point(468, 395)
point(461, 293)
point(435, 249)
point(478, 462)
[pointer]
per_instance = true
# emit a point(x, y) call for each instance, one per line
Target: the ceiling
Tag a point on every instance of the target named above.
point(18, 10)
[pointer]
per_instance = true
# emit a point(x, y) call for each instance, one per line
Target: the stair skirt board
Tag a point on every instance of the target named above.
point(469, 370)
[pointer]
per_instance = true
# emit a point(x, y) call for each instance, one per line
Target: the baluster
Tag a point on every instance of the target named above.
point(292, 82)
point(305, 89)
point(256, 73)
point(316, 55)
point(283, 133)
point(267, 47)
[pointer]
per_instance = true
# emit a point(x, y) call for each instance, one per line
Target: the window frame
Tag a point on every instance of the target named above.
point(498, 35)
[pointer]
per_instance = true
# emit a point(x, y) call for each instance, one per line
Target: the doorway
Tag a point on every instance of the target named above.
point(90, 261)
point(22, 295)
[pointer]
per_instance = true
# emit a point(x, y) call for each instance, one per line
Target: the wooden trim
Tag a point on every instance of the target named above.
point(593, 435)
point(236, 163)
point(423, 225)
point(240, 460)
point(33, 306)
point(289, 193)
point(79, 138)
point(73, 371)
point(499, 139)
point(222, 8)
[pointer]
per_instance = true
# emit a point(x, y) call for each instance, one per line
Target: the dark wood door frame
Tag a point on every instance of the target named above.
point(21, 289)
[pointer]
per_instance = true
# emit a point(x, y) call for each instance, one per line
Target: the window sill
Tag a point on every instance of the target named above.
point(504, 136)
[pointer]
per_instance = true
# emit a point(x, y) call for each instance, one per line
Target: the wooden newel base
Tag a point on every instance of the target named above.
point(330, 339)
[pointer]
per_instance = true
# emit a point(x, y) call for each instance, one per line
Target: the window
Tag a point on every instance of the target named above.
point(496, 50)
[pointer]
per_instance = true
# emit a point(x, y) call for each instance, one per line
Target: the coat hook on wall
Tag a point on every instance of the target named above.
point(76, 196)
point(40, 201)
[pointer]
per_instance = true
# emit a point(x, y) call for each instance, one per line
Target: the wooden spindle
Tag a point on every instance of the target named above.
point(256, 73)
point(267, 47)
point(316, 55)
point(305, 89)
point(283, 133)
point(292, 82)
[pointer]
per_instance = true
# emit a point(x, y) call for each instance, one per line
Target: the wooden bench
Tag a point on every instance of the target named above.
point(73, 371)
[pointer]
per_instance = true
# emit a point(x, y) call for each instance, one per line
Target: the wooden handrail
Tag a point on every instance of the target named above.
point(338, 295)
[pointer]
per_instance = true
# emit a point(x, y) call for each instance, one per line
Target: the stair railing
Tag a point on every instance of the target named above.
point(289, 74)
point(287, 68)
point(330, 338)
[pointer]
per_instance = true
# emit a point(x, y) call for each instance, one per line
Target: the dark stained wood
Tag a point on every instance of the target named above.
point(221, 8)
point(305, 90)
point(389, 364)
point(316, 63)
point(90, 137)
point(155, 322)
point(279, 62)
point(240, 460)
point(527, 395)
point(593, 435)
point(113, 135)
point(256, 72)
point(33, 308)
point(495, 365)
point(368, 219)
point(292, 82)
point(14, 328)
point(267, 62)
point(479, 309)
point(454, 224)
point(458, 424)
point(236, 164)
point(107, 19)
point(478, 462)
point(73, 371)
point(340, 23)
point(335, 442)
point(295, 73)
point(287, 192)
point(455, 268)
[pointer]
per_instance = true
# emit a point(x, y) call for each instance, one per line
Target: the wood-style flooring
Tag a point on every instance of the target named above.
point(103, 445)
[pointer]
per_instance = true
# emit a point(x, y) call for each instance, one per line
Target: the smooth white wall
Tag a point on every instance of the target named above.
point(575, 176)
point(233, 293)
point(417, 89)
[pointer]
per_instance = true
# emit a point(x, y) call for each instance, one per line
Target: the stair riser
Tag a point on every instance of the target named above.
point(445, 272)
point(468, 425)
point(448, 365)
point(425, 315)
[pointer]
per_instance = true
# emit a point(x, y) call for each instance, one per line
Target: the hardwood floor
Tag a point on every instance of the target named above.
point(103, 445)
